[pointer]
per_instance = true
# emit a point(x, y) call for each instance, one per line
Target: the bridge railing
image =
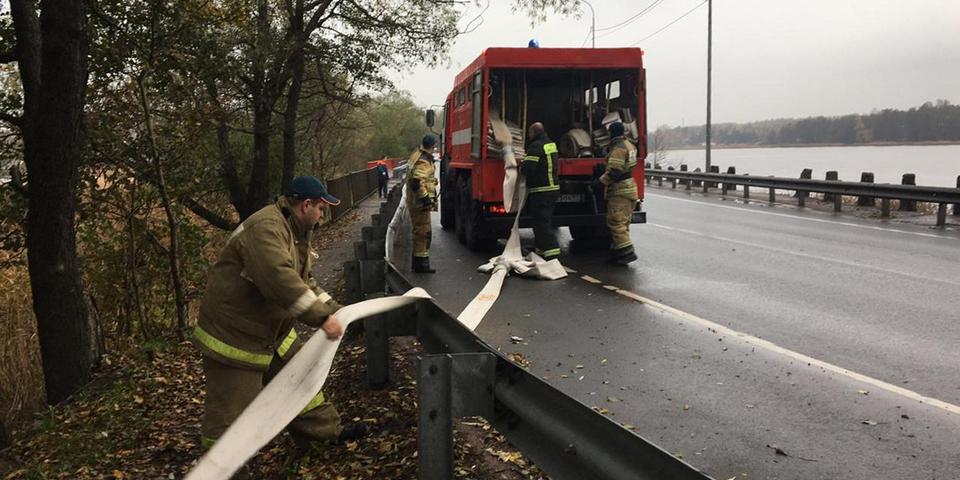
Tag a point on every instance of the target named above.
point(459, 374)
point(833, 189)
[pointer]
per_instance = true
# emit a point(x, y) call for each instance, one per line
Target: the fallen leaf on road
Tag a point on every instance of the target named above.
point(863, 392)
point(868, 422)
point(778, 450)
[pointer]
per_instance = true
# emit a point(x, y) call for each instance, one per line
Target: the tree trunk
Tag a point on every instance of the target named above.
point(258, 192)
point(293, 98)
point(173, 252)
point(52, 154)
point(290, 124)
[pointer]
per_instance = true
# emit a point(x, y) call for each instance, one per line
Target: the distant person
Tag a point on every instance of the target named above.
point(421, 200)
point(383, 176)
point(257, 290)
point(621, 194)
point(539, 168)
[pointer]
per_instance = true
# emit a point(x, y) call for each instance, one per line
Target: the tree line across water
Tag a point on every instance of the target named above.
point(931, 122)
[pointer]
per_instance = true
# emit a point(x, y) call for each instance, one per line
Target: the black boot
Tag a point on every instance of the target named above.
point(622, 256)
point(422, 265)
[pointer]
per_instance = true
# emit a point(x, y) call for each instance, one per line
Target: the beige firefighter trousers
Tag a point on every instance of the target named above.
point(420, 218)
point(230, 389)
point(619, 211)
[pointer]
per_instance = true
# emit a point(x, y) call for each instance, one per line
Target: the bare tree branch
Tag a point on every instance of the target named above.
point(14, 120)
point(210, 216)
point(16, 180)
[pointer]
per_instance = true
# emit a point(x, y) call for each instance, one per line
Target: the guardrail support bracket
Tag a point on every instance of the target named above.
point(448, 386)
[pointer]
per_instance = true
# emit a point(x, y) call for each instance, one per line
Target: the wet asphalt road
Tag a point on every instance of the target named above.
point(863, 296)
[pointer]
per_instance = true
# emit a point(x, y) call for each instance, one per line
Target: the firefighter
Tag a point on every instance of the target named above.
point(421, 200)
point(259, 287)
point(539, 167)
point(621, 194)
point(383, 176)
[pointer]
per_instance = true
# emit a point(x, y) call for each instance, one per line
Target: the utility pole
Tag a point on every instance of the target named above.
point(709, 73)
point(593, 26)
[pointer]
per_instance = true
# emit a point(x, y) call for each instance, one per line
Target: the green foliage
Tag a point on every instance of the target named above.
point(398, 126)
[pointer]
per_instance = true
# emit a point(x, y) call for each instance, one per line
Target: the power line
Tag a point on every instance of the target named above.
point(584, 42)
point(631, 19)
point(671, 23)
point(470, 27)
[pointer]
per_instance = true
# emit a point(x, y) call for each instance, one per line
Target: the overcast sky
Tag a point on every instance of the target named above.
point(771, 58)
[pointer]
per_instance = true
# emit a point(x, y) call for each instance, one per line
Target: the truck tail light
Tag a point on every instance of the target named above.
point(497, 209)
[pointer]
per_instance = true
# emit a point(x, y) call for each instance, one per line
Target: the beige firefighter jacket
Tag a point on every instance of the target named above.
point(258, 288)
point(421, 181)
point(622, 159)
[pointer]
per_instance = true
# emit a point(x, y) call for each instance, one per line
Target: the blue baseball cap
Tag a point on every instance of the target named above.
point(428, 141)
point(311, 187)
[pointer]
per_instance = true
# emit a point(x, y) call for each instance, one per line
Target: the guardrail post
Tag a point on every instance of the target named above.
point(686, 183)
point(449, 385)
point(378, 351)
point(864, 201)
point(746, 189)
point(833, 176)
point(435, 432)
point(805, 174)
point(956, 206)
point(713, 169)
point(647, 177)
point(908, 205)
point(656, 166)
point(885, 208)
point(941, 214)
point(673, 180)
point(731, 170)
point(695, 183)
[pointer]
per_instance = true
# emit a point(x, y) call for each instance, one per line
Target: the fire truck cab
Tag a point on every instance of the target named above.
point(575, 93)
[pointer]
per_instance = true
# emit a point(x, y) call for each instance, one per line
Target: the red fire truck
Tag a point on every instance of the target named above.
point(576, 93)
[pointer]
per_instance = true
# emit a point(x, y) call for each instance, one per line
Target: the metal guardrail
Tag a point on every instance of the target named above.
point(461, 375)
point(835, 189)
point(352, 189)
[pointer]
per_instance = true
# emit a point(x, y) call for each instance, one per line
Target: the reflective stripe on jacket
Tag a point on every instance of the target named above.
point(258, 288)
point(540, 165)
point(421, 181)
point(622, 159)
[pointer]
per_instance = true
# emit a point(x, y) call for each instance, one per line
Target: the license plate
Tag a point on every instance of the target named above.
point(571, 198)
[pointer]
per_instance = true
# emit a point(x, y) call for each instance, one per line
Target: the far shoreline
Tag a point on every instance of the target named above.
point(815, 145)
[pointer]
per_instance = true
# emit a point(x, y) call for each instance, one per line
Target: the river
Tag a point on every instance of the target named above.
point(934, 165)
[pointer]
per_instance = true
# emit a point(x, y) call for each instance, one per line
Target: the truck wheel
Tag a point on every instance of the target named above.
point(448, 202)
point(461, 198)
point(469, 215)
point(596, 237)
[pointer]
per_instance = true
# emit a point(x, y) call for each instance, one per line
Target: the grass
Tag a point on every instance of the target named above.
point(21, 373)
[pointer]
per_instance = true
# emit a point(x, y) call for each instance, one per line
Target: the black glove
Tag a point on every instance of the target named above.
point(597, 185)
point(426, 202)
point(617, 175)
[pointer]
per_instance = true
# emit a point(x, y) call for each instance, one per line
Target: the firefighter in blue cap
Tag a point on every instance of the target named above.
point(621, 194)
point(256, 291)
point(421, 187)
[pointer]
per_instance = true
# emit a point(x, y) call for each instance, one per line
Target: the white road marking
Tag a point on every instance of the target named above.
point(797, 217)
point(921, 278)
point(590, 279)
point(750, 339)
